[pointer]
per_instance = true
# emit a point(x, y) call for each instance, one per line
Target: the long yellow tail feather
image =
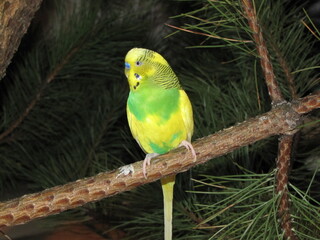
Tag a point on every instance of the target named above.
point(167, 184)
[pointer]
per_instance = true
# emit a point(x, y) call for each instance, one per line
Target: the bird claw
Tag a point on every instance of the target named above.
point(149, 156)
point(126, 170)
point(189, 147)
point(147, 162)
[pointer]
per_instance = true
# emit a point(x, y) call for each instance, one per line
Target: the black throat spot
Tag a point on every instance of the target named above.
point(135, 86)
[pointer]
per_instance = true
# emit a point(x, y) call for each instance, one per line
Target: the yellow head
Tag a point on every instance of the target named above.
point(144, 67)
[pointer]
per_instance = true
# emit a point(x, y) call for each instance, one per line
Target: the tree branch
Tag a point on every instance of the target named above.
point(285, 143)
point(283, 166)
point(282, 119)
point(15, 18)
point(266, 65)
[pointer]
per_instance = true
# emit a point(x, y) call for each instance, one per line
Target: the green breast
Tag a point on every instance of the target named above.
point(161, 102)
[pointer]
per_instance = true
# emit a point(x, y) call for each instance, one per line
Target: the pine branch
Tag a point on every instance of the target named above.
point(266, 65)
point(51, 76)
point(285, 144)
point(306, 104)
point(281, 119)
point(15, 18)
point(283, 165)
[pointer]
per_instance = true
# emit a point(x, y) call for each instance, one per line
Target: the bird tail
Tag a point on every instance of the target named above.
point(167, 184)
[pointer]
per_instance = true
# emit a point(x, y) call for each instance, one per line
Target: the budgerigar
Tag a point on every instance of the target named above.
point(159, 114)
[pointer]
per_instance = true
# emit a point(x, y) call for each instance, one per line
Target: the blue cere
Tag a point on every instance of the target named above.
point(127, 65)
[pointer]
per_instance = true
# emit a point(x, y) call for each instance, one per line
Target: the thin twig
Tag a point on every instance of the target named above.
point(280, 120)
point(205, 226)
point(5, 235)
point(197, 220)
point(286, 69)
point(208, 35)
point(311, 31)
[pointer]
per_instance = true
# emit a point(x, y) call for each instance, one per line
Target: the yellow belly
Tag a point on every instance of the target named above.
point(157, 136)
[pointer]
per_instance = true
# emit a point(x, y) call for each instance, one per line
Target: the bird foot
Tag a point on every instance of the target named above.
point(189, 146)
point(146, 162)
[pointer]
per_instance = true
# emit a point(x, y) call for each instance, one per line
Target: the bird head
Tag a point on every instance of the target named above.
point(144, 67)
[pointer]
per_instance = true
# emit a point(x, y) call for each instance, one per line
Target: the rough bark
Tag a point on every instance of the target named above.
point(15, 18)
point(266, 64)
point(283, 119)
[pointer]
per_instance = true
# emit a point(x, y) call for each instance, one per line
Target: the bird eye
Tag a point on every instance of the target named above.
point(138, 63)
point(138, 77)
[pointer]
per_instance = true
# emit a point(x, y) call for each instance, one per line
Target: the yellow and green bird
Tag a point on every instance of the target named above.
point(159, 114)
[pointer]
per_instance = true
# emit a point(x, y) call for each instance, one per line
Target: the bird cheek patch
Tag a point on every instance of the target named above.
point(137, 76)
